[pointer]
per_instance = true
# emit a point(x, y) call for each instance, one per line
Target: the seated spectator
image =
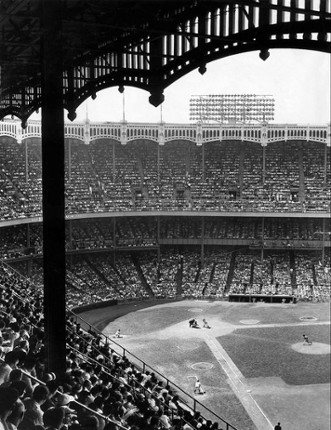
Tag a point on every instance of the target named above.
point(15, 375)
point(29, 368)
point(90, 422)
point(8, 398)
point(34, 414)
point(53, 418)
point(16, 415)
point(10, 362)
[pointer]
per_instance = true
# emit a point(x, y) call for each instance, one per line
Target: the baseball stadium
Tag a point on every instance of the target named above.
point(159, 275)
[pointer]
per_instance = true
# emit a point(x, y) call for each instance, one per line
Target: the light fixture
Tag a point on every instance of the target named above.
point(156, 98)
point(264, 54)
point(72, 114)
point(202, 69)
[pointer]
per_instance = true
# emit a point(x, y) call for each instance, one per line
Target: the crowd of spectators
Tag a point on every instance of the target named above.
point(184, 272)
point(228, 176)
point(101, 388)
point(272, 275)
point(136, 232)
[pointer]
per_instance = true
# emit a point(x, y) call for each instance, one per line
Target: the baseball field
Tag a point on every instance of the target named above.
point(252, 362)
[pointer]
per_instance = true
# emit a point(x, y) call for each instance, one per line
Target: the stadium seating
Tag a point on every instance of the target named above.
point(101, 388)
point(136, 258)
point(180, 272)
point(106, 176)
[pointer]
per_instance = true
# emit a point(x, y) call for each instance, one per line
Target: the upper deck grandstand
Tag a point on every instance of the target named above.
point(252, 169)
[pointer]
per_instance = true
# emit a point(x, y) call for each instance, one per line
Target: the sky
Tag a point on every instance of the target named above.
point(299, 81)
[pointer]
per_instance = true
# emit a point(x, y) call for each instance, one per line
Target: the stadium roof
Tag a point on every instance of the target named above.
point(145, 44)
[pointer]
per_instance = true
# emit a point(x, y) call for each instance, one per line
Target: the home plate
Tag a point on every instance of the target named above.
point(315, 348)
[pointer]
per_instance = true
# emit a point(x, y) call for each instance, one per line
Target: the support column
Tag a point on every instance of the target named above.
point(325, 164)
point(69, 159)
point(70, 235)
point(29, 268)
point(323, 238)
point(262, 247)
point(158, 239)
point(263, 164)
point(114, 163)
point(202, 253)
point(203, 161)
point(114, 241)
point(26, 161)
point(52, 121)
point(158, 164)
point(28, 241)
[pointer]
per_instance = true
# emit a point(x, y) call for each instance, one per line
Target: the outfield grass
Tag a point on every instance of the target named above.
point(265, 352)
point(271, 314)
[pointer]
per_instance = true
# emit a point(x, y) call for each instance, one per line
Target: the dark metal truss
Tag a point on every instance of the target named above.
point(144, 44)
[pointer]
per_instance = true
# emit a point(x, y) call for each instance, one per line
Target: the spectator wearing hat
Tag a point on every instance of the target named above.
point(49, 377)
point(63, 402)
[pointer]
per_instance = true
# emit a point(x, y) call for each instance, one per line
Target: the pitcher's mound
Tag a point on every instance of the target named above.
point(314, 348)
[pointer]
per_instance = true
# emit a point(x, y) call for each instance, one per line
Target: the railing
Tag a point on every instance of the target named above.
point(133, 385)
point(168, 207)
point(190, 401)
point(193, 404)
